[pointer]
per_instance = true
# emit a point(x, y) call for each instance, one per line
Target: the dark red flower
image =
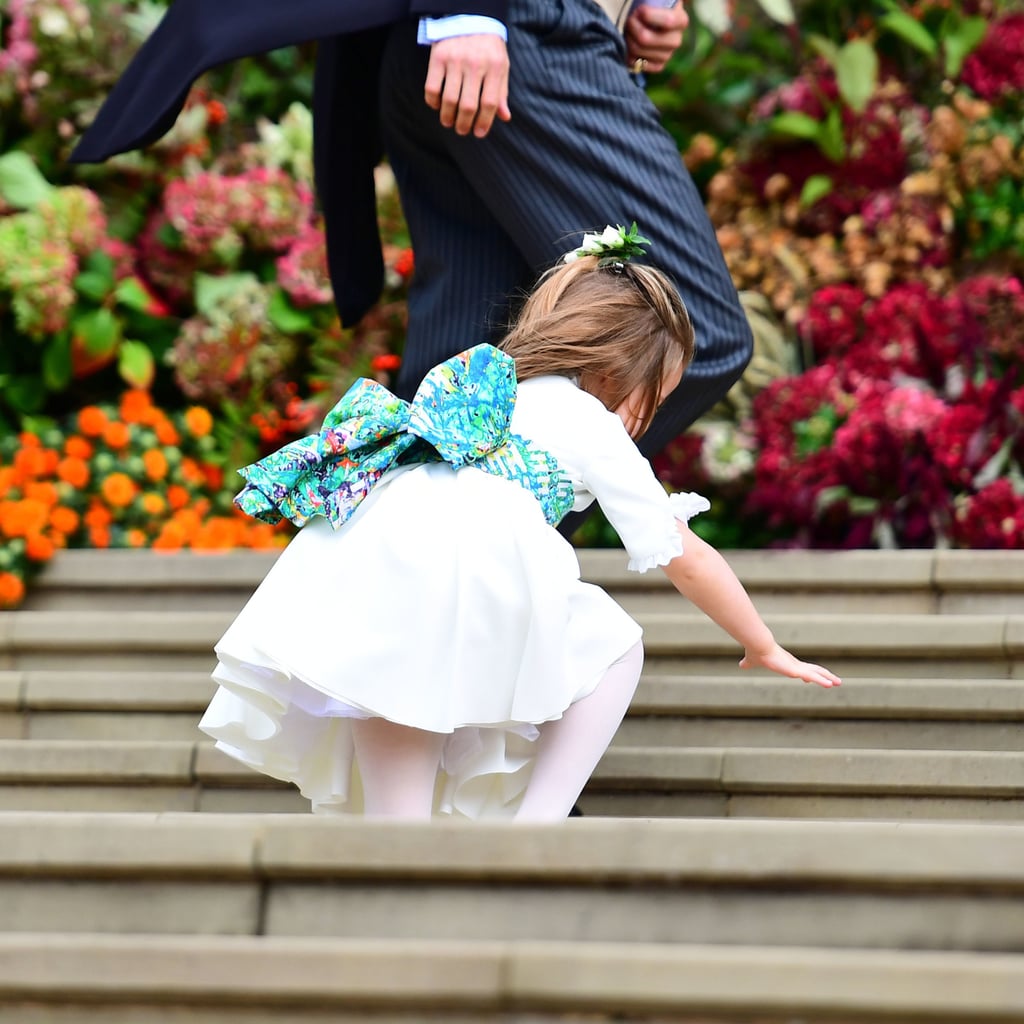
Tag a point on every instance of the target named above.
point(996, 68)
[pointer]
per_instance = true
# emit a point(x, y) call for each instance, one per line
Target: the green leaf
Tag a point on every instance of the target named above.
point(211, 289)
point(825, 47)
point(21, 183)
point(57, 363)
point(285, 317)
point(92, 285)
point(857, 73)
point(910, 31)
point(135, 363)
point(816, 187)
point(99, 331)
point(832, 139)
point(792, 122)
point(25, 394)
point(960, 42)
point(131, 292)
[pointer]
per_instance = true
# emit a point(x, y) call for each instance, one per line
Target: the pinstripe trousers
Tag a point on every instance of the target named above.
point(584, 148)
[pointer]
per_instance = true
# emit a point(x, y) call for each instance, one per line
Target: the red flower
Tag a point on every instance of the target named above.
point(385, 363)
point(992, 518)
point(834, 320)
point(996, 68)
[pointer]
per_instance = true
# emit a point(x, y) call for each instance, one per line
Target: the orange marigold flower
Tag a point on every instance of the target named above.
point(9, 478)
point(98, 515)
point(64, 520)
point(198, 421)
point(21, 518)
point(155, 463)
point(166, 432)
point(99, 537)
point(153, 504)
point(191, 472)
point(78, 448)
point(189, 519)
point(73, 471)
point(135, 405)
point(117, 435)
point(42, 490)
point(92, 421)
point(177, 496)
point(218, 533)
point(30, 462)
point(118, 489)
point(29, 440)
point(135, 538)
point(171, 537)
point(12, 589)
point(39, 548)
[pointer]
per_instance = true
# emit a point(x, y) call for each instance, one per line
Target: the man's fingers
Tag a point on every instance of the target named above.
point(493, 103)
point(469, 105)
point(467, 82)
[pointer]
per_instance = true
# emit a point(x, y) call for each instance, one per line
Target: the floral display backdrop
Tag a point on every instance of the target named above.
point(863, 165)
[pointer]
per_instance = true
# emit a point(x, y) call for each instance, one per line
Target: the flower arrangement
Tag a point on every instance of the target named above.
point(119, 476)
point(886, 237)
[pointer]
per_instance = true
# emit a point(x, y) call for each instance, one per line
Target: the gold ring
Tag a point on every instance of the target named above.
point(639, 65)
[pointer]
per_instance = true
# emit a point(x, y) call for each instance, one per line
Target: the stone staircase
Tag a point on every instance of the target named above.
point(754, 851)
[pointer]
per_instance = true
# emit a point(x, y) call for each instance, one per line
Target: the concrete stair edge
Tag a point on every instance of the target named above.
point(523, 976)
point(585, 852)
point(817, 570)
point(953, 636)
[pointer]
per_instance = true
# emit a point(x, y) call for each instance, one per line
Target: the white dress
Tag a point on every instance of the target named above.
point(446, 603)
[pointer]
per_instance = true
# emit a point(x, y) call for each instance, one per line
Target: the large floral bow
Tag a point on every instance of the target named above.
point(461, 414)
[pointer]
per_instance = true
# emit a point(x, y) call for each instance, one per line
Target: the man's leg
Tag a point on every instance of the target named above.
point(584, 148)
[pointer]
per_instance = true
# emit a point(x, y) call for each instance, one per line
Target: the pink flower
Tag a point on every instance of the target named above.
point(302, 270)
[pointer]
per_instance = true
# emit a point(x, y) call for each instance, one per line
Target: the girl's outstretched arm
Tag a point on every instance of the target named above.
point(703, 576)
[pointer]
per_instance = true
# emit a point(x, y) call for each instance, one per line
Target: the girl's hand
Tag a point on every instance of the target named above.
point(779, 660)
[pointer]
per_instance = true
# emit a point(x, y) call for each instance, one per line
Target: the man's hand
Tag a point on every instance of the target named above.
point(653, 34)
point(467, 81)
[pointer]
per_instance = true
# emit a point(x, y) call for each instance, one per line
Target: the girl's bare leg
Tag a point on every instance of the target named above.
point(568, 749)
point(398, 766)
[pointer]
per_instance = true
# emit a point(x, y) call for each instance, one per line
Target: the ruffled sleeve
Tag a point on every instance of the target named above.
point(631, 496)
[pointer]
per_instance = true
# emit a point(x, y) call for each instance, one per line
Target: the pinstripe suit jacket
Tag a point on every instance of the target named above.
point(196, 35)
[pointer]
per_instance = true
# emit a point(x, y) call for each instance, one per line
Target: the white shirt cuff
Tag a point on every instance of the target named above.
point(433, 30)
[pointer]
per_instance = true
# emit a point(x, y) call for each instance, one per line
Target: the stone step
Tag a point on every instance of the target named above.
point(107, 775)
point(989, 645)
point(258, 980)
point(742, 710)
point(902, 582)
point(771, 883)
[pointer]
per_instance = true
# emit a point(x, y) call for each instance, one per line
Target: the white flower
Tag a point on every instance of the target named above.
point(610, 238)
point(54, 23)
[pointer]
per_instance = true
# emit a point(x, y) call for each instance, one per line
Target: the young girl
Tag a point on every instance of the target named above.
point(425, 645)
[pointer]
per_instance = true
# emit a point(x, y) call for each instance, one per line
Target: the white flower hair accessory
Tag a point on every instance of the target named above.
point(613, 245)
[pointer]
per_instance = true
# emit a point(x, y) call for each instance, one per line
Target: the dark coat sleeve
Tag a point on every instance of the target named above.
point(196, 35)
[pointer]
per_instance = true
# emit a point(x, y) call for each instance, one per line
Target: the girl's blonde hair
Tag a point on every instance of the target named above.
point(614, 329)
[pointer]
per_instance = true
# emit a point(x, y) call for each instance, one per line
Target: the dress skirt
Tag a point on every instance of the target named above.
point(445, 603)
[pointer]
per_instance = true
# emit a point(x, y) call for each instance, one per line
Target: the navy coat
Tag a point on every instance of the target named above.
point(197, 35)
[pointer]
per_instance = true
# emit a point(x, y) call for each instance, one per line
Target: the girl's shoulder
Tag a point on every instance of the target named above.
point(555, 406)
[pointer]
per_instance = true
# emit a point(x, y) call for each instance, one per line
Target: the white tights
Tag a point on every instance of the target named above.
point(399, 764)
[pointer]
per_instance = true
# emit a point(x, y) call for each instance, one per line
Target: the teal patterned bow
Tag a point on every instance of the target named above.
point(461, 414)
